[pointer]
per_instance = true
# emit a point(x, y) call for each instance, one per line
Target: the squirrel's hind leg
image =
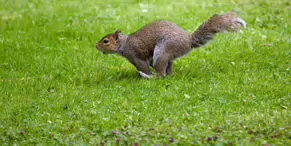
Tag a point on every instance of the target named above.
point(161, 62)
point(169, 67)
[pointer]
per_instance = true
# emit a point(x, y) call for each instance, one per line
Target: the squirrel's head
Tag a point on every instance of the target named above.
point(110, 43)
point(225, 22)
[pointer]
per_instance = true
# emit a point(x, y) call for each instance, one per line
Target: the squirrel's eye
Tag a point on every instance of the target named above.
point(106, 41)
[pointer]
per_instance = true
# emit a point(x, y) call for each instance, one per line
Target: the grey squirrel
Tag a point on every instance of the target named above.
point(158, 44)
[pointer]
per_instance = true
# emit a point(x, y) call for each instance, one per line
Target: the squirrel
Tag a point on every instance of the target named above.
point(160, 43)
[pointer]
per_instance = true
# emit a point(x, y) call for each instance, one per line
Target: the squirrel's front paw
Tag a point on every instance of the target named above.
point(144, 75)
point(241, 22)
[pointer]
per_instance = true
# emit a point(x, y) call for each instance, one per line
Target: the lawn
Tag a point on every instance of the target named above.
point(57, 89)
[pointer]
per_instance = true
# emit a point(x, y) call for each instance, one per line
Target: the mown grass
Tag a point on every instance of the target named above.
point(56, 88)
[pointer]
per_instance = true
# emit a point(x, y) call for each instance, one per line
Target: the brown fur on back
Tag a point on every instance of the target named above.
point(148, 36)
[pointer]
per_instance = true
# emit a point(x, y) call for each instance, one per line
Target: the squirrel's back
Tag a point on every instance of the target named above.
point(148, 36)
point(159, 29)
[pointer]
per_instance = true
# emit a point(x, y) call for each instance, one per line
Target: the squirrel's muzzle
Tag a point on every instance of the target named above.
point(97, 46)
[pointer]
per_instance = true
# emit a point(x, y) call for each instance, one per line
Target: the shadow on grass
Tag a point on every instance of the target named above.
point(111, 78)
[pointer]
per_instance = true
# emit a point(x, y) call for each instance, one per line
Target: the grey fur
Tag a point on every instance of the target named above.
point(159, 49)
point(162, 42)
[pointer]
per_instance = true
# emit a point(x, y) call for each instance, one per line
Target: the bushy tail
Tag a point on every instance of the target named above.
point(216, 24)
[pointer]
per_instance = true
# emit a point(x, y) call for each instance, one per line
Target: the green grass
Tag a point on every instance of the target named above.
point(56, 88)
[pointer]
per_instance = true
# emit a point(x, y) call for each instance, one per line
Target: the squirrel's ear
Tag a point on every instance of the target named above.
point(117, 34)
